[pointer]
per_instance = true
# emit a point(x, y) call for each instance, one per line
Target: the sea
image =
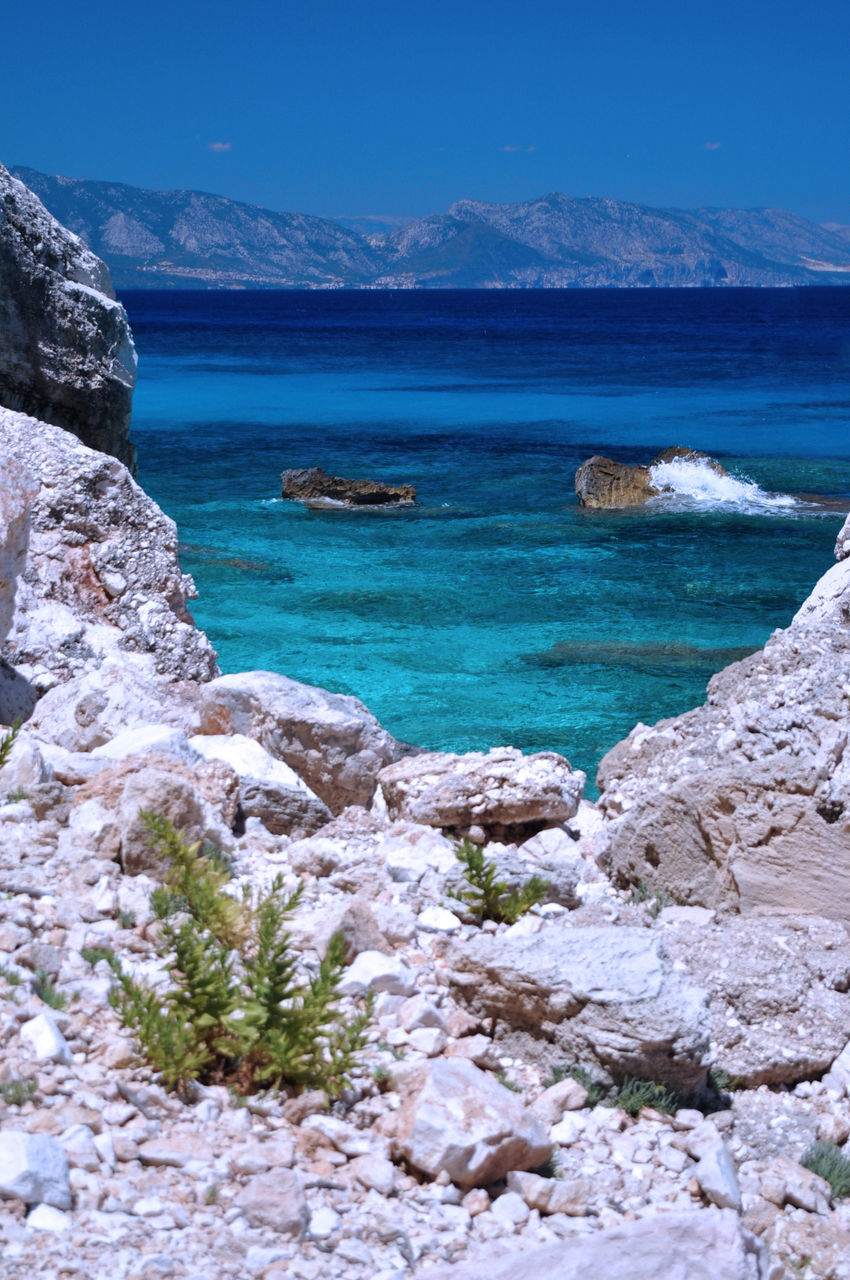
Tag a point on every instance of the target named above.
point(496, 610)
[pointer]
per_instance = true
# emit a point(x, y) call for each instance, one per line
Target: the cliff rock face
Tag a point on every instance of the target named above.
point(102, 572)
point(744, 803)
point(67, 355)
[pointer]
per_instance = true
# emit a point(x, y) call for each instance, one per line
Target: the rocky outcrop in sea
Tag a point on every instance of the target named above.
point(691, 936)
point(315, 488)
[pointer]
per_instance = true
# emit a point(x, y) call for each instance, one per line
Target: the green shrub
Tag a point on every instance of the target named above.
point(237, 1012)
point(7, 742)
point(17, 1091)
point(488, 898)
point(45, 988)
point(655, 899)
point(825, 1159)
point(633, 1095)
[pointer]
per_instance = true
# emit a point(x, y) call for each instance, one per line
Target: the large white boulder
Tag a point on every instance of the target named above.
point(268, 788)
point(498, 790)
point(330, 739)
point(744, 802)
point(609, 998)
point(707, 1245)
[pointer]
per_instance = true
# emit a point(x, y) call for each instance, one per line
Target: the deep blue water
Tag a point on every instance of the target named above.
point(496, 610)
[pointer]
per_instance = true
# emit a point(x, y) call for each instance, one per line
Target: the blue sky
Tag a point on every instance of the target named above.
point(340, 107)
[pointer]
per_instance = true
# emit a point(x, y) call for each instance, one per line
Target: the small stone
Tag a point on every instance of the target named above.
point(323, 1222)
point(44, 1217)
point(428, 1040)
point(566, 1095)
point(374, 1173)
point(511, 1210)
point(374, 971)
point(275, 1200)
point(45, 1041)
point(717, 1179)
point(438, 920)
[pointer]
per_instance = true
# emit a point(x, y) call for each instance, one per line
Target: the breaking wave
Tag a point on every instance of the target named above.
point(691, 484)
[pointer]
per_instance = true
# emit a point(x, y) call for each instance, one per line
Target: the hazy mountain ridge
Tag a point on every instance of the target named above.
point(156, 239)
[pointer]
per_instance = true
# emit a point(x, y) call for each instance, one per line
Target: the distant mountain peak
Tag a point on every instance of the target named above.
point(195, 239)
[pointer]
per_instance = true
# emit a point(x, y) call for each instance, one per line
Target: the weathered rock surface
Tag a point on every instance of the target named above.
point(607, 998)
point(457, 1118)
point(17, 490)
point(705, 1246)
point(102, 571)
point(268, 788)
point(330, 739)
point(744, 803)
point(502, 790)
point(33, 1168)
point(314, 487)
point(602, 482)
point(67, 355)
point(779, 989)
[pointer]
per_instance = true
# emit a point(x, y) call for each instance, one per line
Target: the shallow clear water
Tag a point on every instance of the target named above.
point(496, 610)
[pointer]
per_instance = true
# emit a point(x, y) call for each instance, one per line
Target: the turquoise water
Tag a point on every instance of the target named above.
point(495, 610)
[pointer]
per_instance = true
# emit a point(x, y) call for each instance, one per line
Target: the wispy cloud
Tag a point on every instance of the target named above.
point(527, 150)
point(219, 146)
point(712, 146)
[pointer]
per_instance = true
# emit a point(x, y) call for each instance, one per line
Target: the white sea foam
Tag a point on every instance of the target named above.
point(694, 485)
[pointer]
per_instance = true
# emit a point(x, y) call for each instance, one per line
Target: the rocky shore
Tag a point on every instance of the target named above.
point(692, 934)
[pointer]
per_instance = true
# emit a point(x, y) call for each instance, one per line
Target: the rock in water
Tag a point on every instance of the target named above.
point(313, 486)
point(602, 482)
point(67, 355)
point(744, 803)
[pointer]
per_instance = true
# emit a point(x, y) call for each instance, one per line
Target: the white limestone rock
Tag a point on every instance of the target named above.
point(268, 788)
point(89, 522)
point(44, 1041)
point(502, 789)
point(605, 997)
point(329, 739)
point(717, 1178)
point(457, 1118)
point(710, 1245)
point(375, 971)
point(743, 804)
point(34, 1168)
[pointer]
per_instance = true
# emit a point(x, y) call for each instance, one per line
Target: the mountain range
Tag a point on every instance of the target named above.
point(192, 239)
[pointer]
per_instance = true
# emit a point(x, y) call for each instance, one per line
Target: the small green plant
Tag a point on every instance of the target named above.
point(236, 1013)
point(381, 1075)
point(633, 1095)
point(395, 1050)
point(825, 1159)
point(8, 741)
point(12, 797)
point(17, 1091)
point(92, 955)
point(503, 1078)
point(550, 1168)
point(722, 1082)
point(127, 919)
point(11, 977)
point(595, 1091)
point(211, 1194)
point(655, 899)
point(488, 898)
point(45, 988)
